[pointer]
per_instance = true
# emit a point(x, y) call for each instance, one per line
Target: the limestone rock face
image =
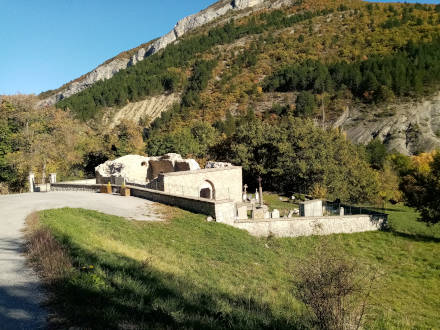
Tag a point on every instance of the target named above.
point(141, 170)
point(139, 56)
point(132, 167)
point(242, 4)
point(407, 127)
point(102, 72)
point(187, 24)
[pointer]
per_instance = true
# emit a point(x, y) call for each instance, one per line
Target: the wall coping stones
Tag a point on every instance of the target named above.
point(205, 170)
point(304, 218)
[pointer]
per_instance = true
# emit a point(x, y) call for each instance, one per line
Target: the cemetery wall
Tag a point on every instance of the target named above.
point(313, 225)
point(225, 211)
point(75, 187)
point(222, 211)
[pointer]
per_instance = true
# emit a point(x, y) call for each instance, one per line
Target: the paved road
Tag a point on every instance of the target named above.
point(20, 291)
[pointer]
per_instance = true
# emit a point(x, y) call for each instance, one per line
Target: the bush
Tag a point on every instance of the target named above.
point(48, 257)
point(334, 288)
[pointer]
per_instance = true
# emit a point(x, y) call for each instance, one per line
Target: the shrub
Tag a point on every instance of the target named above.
point(334, 289)
point(3, 189)
point(48, 257)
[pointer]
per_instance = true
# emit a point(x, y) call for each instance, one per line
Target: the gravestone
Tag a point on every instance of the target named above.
point(311, 208)
point(275, 214)
point(257, 213)
point(242, 212)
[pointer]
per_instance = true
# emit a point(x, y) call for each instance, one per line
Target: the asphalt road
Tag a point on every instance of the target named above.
point(20, 292)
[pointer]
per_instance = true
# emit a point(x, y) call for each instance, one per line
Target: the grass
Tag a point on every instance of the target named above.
point(274, 202)
point(188, 273)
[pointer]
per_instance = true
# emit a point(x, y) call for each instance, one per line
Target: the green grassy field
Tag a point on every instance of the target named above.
point(188, 273)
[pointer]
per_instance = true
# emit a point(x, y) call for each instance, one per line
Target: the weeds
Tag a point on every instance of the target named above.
point(335, 289)
point(45, 254)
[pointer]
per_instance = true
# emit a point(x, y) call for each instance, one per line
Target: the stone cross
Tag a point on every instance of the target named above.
point(245, 193)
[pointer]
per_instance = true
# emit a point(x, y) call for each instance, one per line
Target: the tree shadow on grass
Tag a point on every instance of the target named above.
point(390, 210)
point(416, 237)
point(121, 292)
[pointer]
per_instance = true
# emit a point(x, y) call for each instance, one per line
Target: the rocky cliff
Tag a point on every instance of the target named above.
point(187, 24)
point(407, 127)
point(150, 109)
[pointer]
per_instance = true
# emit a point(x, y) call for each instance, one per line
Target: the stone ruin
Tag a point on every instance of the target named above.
point(218, 165)
point(140, 169)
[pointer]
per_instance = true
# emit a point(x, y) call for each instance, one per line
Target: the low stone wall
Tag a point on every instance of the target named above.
point(187, 203)
point(222, 211)
point(75, 187)
point(309, 226)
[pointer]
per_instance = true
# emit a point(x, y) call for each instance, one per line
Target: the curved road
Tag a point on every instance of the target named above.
point(20, 291)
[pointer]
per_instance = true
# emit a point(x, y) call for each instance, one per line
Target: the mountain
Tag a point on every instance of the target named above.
point(130, 58)
point(371, 70)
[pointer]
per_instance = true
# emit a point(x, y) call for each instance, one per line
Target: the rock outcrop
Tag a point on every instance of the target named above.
point(406, 127)
point(151, 107)
point(187, 24)
point(218, 165)
point(142, 170)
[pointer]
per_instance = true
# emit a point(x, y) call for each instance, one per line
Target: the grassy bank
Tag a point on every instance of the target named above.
point(187, 273)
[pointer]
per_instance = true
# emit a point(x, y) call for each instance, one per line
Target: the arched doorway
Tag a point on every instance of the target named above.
point(207, 190)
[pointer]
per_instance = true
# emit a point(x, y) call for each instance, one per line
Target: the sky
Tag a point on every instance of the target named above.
point(46, 43)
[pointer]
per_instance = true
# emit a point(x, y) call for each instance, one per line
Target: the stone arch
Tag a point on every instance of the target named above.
point(207, 190)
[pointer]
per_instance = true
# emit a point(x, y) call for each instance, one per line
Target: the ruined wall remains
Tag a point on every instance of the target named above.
point(140, 169)
point(225, 182)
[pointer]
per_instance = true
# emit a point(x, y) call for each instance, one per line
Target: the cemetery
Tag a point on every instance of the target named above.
point(218, 192)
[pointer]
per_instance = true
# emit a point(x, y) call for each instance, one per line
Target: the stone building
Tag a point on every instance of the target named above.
point(141, 170)
point(174, 175)
point(212, 183)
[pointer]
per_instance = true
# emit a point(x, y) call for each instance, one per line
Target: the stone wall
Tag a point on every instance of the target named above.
point(75, 187)
point(197, 205)
point(222, 211)
point(313, 225)
point(227, 183)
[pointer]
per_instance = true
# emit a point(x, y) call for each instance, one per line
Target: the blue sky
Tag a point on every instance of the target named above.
point(46, 43)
